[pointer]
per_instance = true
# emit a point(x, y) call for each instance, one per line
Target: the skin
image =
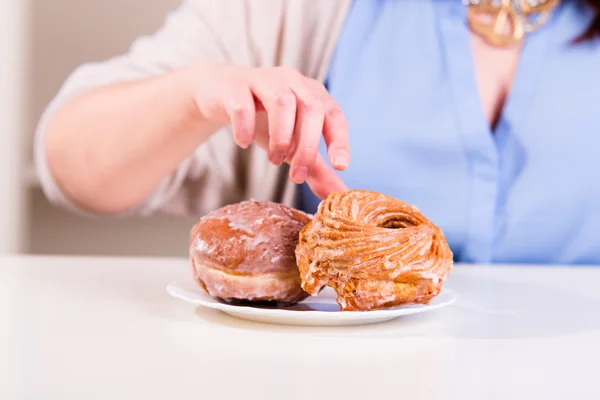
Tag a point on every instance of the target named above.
point(130, 136)
point(495, 70)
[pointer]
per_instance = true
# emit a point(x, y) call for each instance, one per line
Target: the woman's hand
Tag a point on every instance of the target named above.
point(299, 110)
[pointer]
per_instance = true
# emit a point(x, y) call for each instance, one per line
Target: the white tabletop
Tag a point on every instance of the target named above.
point(105, 328)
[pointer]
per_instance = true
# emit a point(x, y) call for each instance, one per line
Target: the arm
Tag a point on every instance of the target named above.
point(102, 104)
point(122, 134)
point(109, 148)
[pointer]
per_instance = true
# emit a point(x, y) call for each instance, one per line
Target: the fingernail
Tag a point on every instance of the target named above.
point(243, 144)
point(341, 159)
point(300, 174)
point(244, 139)
point(278, 159)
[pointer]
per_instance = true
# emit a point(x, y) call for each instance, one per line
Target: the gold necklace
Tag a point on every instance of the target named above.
point(506, 22)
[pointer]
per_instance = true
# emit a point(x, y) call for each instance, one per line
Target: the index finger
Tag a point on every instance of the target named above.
point(323, 181)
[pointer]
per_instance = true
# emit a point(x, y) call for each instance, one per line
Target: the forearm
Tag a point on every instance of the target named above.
point(109, 148)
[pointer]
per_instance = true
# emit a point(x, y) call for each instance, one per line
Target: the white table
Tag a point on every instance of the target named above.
point(103, 328)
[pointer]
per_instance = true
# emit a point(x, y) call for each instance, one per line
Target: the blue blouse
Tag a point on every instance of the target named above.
point(529, 191)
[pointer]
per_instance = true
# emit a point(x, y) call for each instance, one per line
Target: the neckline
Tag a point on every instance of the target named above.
point(482, 144)
point(455, 37)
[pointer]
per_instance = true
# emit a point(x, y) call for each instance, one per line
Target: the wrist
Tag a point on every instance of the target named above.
point(186, 83)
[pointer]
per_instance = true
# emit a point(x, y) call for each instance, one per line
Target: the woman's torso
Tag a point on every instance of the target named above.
point(526, 191)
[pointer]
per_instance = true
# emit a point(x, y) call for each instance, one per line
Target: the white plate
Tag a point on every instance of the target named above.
point(320, 310)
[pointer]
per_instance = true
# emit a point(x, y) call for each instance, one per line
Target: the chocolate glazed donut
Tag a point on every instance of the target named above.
point(375, 251)
point(245, 252)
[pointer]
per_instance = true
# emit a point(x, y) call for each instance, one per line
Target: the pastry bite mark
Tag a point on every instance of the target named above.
point(246, 252)
point(375, 251)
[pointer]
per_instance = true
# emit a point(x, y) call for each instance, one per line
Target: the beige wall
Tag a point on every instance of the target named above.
point(66, 33)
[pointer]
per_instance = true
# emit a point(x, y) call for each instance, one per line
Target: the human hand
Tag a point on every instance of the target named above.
point(299, 110)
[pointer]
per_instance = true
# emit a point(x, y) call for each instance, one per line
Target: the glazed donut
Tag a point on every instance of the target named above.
point(375, 251)
point(245, 252)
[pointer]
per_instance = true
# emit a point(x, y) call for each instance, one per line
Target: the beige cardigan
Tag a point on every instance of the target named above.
point(262, 33)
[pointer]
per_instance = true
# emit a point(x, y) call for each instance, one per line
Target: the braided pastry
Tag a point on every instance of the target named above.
point(375, 251)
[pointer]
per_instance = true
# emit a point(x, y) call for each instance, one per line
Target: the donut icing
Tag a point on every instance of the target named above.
point(246, 251)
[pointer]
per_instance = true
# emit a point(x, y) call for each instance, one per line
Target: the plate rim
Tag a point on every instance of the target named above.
point(172, 289)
